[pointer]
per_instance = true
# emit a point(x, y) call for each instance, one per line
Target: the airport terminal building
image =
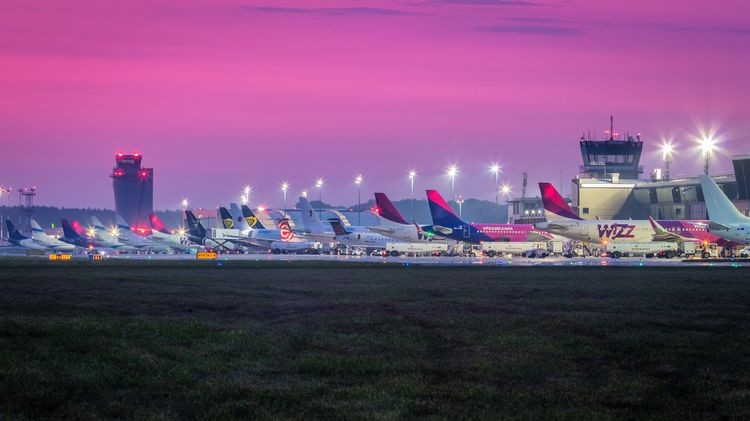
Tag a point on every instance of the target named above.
point(609, 185)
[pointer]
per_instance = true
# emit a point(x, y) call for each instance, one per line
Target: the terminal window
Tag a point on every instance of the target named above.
point(585, 211)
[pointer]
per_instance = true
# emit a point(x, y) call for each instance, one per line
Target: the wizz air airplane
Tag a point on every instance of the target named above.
point(447, 224)
point(47, 241)
point(394, 225)
point(563, 221)
point(17, 239)
point(131, 238)
point(725, 220)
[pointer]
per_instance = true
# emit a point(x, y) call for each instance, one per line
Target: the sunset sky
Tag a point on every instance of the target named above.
point(220, 94)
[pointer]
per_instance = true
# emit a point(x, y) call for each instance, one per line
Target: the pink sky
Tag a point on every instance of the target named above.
point(219, 94)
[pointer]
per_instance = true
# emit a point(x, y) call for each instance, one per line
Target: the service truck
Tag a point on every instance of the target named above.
point(648, 249)
point(416, 249)
point(519, 248)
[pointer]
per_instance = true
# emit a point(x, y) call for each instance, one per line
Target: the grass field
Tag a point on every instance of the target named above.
point(326, 340)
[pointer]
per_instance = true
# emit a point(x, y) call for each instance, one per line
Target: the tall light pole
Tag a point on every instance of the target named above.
point(506, 191)
point(460, 202)
point(284, 188)
point(666, 155)
point(708, 144)
point(319, 185)
point(358, 181)
point(412, 176)
point(495, 169)
point(246, 196)
point(452, 172)
point(184, 210)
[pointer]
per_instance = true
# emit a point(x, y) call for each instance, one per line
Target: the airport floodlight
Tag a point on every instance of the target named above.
point(460, 202)
point(412, 176)
point(358, 181)
point(304, 193)
point(114, 232)
point(184, 204)
point(506, 191)
point(284, 188)
point(452, 172)
point(182, 232)
point(261, 209)
point(495, 169)
point(667, 149)
point(319, 185)
point(707, 146)
point(91, 232)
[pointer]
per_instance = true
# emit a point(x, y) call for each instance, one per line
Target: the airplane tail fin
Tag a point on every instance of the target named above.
point(35, 227)
point(720, 209)
point(441, 212)
point(97, 223)
point(121, 224)
point(387, 210)
point(195, 228)
point(78, 228)
point(157, 225)
point(555, 206)
point(13, 233)
point(338, 227)
point(226, 218)
point(285, 230)
point(239, 221)
point(69, 231)
point(251, 219)
point(309, 217)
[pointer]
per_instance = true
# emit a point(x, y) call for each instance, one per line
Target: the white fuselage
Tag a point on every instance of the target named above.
point(739, 233)
point(598, 231)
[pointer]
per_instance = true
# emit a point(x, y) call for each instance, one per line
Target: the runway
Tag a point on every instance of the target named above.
point(458, 261)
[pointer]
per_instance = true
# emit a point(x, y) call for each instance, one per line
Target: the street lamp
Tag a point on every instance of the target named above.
point(452, 172)
point(666, 155)
point(319, 185)
point(304, 194)
point(358, 181)
point(707, 144)
point(246, 197)
point(495, 169)
point(412, 176)
point(184, 204)
point(506, 191)
point(284, 188)
point(460, 202)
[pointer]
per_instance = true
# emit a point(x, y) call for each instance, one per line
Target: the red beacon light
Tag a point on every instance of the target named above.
point(119, 173)
point(136, 154)
point(120, 154)
point(144, 174)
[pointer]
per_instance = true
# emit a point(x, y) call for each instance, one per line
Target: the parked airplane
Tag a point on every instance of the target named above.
point(131, 238)
point(562, 220)
point(394, 225)
point(725, 220)
point(281, 240)
point(16, 238)
point(105, 238)
point(361, 238)
point(47, 241)
point(160, 234)
point(447, 224)
point(74, 236)
point(198, 234)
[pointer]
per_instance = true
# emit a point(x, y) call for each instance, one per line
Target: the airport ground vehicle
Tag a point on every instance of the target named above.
point(647, 249)
point(522, 248)
point(399, 248)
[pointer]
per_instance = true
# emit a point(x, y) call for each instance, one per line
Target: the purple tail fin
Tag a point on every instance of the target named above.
point(387, 210)
point(554, 203)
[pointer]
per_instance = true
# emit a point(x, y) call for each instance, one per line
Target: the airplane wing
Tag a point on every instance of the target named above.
point(382, 230)
point(556, 227)
point(662, 234)
point(537, 236)
point(715, 226)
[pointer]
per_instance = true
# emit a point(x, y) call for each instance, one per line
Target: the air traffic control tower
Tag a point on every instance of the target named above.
point(134, 189)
